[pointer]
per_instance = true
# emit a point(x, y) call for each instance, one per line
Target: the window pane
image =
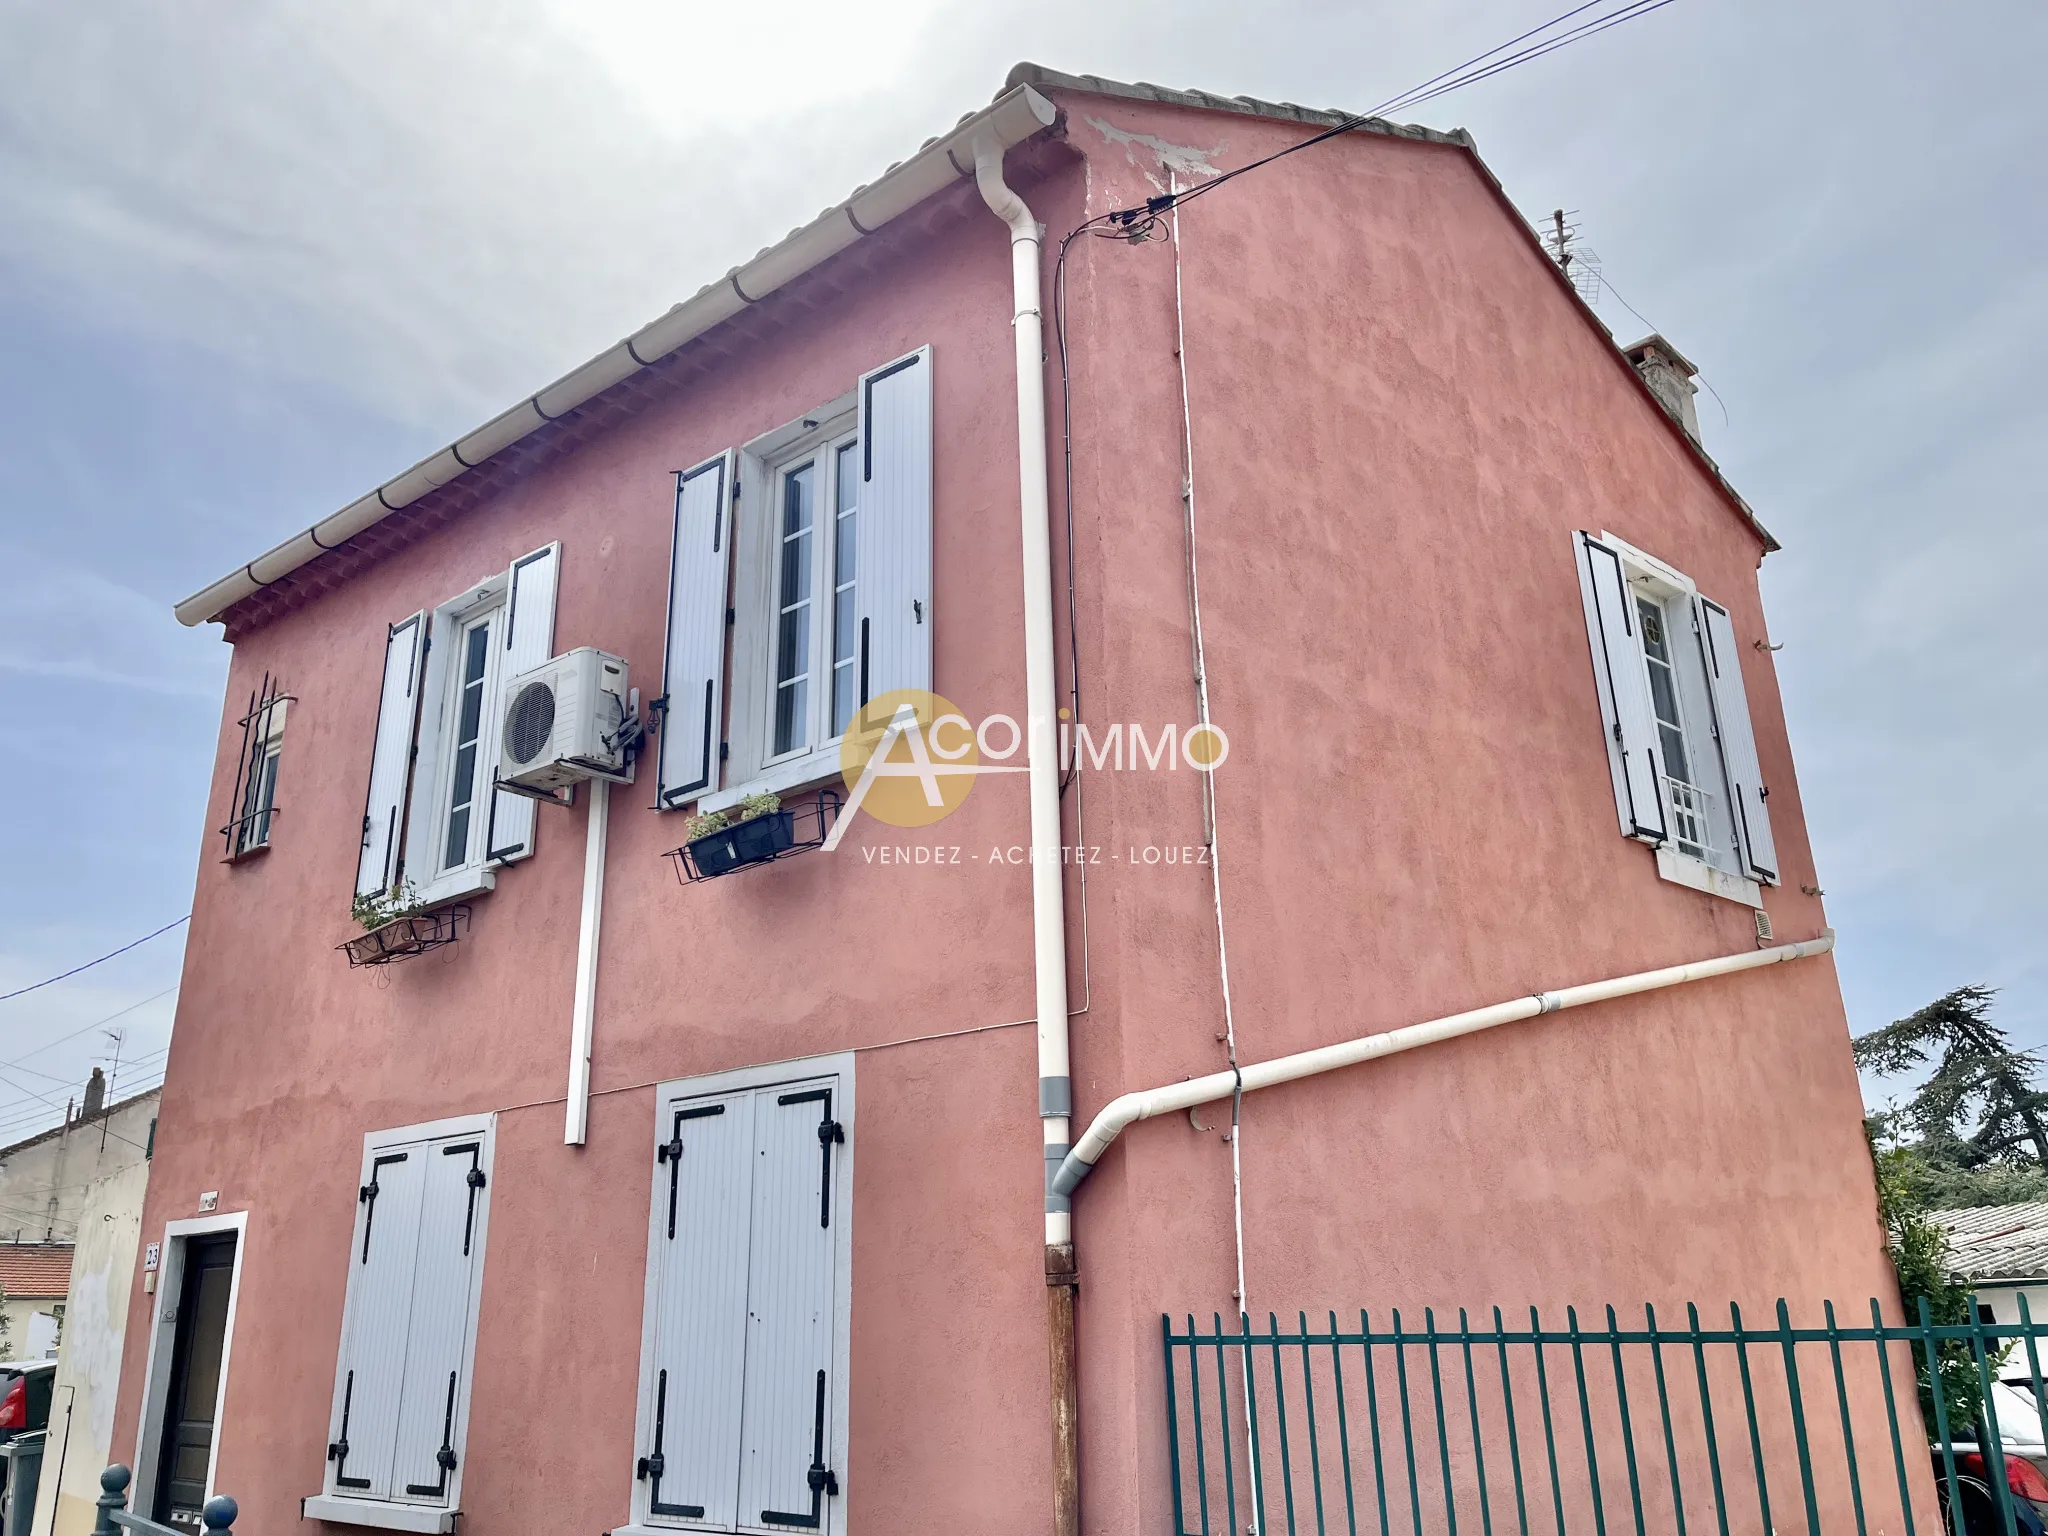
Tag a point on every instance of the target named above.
point(794, 599)
point(845, 547)
point(476, 654)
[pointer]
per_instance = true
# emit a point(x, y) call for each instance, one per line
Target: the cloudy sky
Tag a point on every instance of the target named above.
point(255, 258)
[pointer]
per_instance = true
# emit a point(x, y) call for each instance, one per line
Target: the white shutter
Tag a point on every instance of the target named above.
point(690, 1416)
point(694, 667)
point(893, 595)
point(373, 1350)
point(789, 1398)
point(1738, 743)
point(1624, 688)
point(450, 1246)
point(529, 641)
point(391, 756)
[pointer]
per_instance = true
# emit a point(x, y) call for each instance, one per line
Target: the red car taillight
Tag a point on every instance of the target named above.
point(14, 1410)
point(2021, 1475)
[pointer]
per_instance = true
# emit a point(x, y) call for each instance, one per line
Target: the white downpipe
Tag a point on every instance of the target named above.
point(576, 1125)
point(1130, 1107)
point(1048, 906)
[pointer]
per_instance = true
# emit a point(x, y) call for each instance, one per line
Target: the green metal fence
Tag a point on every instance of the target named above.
point(1391, 1429)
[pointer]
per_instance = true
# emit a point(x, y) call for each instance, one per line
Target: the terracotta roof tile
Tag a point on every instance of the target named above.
point(35, 1270)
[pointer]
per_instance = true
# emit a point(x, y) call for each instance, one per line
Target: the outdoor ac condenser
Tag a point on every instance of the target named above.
point(565, 721)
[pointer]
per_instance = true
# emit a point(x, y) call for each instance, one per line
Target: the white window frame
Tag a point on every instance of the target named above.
point(259, 796)
point(753, 767)
point(1665, 584)
point(840, 1064)
point(434, 770)
point(389, 1514)
point(156, 1372)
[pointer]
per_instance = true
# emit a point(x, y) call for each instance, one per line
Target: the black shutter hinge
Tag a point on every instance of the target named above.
point(337, 1450)
point(366, 1192)
point(730, 618)
point(724, 750)
point(917, 609)
point(650, 1466)
point(1617, 733)
point(669, 1151)
point(445, 1459)
point(830, 1131)
point(476, 1178)
point(823, 1480)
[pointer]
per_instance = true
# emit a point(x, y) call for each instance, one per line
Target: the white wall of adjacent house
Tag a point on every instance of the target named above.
point(103, 1273)
point(46, 1179)
point(2004, 1301)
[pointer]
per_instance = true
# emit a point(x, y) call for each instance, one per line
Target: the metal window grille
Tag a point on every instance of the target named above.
point(253, 800)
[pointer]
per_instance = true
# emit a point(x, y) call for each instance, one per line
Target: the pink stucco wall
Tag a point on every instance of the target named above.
point(1398, 418)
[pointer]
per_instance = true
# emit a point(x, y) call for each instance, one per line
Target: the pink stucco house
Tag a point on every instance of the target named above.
point(629, 1192)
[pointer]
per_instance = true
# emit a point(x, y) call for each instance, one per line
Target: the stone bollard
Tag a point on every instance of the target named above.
point(113, 1496)
point(219, 1514)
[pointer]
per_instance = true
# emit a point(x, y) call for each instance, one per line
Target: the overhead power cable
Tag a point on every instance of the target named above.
point(60, 976)
point(1140, 222)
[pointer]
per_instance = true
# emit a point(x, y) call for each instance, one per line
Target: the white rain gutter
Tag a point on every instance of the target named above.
point(1048, 903)
point(1130, 1107)
point(1048, 897)
point(1013, 117)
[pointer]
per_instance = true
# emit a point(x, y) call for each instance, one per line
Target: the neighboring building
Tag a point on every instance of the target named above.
point(45, 1179)
point(88, 1379)
point(34, 1278)
point(2002, 1251)
point(732, 1203)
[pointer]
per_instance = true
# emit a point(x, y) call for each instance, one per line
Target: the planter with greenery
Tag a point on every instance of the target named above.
point(753, 832)
point(397, 926)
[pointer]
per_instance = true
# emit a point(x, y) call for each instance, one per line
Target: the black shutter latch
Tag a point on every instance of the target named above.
point(650, 1466)
point(830, 1131)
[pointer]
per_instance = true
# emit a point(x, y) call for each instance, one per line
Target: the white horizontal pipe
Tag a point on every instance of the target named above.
point(1014, 117)
point(1122, 1111)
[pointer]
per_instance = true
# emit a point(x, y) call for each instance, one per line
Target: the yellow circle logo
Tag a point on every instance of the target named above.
point(909, 757)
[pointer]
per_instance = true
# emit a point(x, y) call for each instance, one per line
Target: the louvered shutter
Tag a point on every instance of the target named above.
point(529, 641)
point(893, 592)
point(1738, 742)
point(690, 1442)
point(1624, 688)
point(398, 708)
point(694, 668)
point(450, 1246)
point(373, 1351)
point(787, 1432)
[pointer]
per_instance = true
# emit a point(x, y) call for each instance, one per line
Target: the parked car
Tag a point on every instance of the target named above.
point(25, 1387)
point(2024, 1448)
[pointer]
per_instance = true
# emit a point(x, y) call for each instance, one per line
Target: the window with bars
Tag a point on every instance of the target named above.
point(254, 796)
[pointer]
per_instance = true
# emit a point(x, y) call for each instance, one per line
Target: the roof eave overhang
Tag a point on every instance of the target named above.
point(1016, 115)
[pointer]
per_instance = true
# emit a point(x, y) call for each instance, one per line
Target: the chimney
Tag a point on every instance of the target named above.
point(1669, 376)
point(95, 1094)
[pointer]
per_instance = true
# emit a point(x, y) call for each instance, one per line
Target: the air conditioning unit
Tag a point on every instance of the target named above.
point(566, 720)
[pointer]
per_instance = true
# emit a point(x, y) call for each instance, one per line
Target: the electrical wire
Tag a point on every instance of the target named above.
point(62, 975)
point(1624, 303)
point(1142, 222)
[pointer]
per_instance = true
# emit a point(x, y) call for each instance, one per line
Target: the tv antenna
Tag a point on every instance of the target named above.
point(1579, 263)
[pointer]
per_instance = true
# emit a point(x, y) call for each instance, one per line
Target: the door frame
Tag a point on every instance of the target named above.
point(156, 1376)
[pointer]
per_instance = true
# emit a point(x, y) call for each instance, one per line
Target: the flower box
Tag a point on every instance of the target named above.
point(404, 937)
point(753, 841)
